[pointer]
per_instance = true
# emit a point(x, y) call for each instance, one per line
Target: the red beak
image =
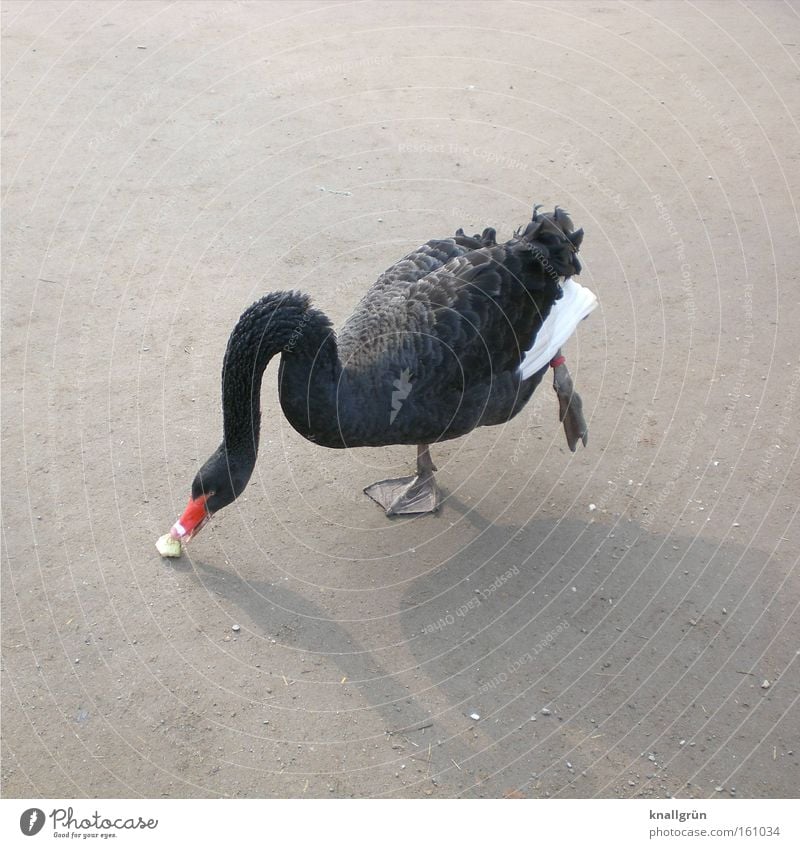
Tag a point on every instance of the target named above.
point(194, 517)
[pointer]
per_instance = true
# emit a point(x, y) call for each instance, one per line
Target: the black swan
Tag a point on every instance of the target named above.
point(456, 335)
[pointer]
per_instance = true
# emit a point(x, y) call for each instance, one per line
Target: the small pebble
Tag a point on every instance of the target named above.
point(765, 684)
point(592, 507)
point(719, 788)
point(474, 716)
point(545, 711)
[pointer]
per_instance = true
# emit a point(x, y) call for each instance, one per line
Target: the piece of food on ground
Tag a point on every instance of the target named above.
point(169, 547)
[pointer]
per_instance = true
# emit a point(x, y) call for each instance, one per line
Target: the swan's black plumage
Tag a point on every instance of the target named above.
point(446, 327)
point(452, 320)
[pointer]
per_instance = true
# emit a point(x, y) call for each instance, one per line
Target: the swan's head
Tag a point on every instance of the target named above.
point(218, 483)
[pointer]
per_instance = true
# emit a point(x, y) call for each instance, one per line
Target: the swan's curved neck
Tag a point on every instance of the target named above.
point(281, 322)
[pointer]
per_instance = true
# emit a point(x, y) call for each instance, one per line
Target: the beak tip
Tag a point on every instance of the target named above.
point(194, 517)
point(177, 531)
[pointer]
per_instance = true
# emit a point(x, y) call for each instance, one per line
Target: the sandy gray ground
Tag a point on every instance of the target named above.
point(164, 165)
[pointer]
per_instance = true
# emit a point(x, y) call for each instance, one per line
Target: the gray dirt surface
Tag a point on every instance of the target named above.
point(610, 615)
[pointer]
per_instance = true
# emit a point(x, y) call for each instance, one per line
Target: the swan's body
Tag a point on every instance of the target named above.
point(456, 335)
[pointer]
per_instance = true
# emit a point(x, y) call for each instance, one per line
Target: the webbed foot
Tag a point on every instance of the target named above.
point(406, 495)
point(570, 405)
point(409, 495)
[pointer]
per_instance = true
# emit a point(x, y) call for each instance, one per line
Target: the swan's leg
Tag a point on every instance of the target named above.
point(409, 495)
point(570, 405)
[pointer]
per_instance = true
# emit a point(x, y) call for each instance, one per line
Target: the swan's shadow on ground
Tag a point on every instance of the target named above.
point(594, 623)
point(274, 611)
point(600, 624)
